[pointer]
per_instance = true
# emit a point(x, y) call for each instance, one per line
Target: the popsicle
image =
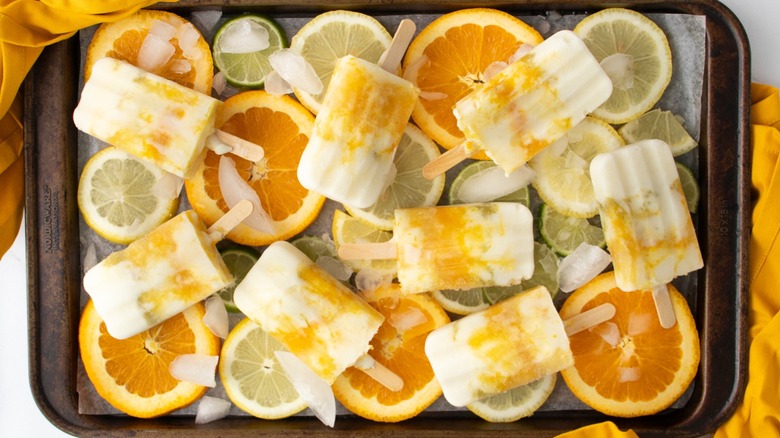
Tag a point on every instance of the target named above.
point(349, 157)
point(528, 105)
point(509, 344)
point(646, 221)
point(456, 246)
point(312, 314)
point(161, 274)
point(152, 117)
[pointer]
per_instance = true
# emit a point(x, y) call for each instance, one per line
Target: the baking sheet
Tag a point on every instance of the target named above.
point(687, 38)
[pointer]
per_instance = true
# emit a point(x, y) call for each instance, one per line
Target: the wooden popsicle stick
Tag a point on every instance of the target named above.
point(368, 251)
point(382, 374)
point(230, 220)
point(240, 147)
point(395, 52)
point(589, 318)
point(447, 161)
point(663, 306)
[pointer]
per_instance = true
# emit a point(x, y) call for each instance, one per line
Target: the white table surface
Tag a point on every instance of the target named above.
point(19, 415)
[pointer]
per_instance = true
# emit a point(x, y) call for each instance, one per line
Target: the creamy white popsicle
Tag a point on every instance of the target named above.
point(647, 225)
point(311, 313)
point(365, 110)
point(507, 345)
point(157, 276)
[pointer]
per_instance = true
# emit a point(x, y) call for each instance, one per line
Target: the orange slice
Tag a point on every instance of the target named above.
point(132, 374)
point(282, 126)
point(123, 39)
point(400, 346)
point(630, 366)
point(447, 61)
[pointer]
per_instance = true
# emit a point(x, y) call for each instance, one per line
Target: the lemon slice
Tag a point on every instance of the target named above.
point(661, 125)
point(521, 195)
point(332, 35)
point(629, 38)
point(347, 229)
point(122, 197)
point(565, 233)
point(466, 302)
point(689, 185)
point(409, 188)
point(239, 260)
point(516, 403)
point(563, 169)
point(253, 379)
point(247, 70)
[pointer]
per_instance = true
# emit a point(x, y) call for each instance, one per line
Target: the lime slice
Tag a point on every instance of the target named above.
point(466, 302)
point(565, 233)
point(239, 260)
point(516, 403)
point(253, 379)
point(409, 188)
point(563, 169)
point(661, 125)
point(620, 36)
point(522, 196)
point(332, 35)
point(123, 197)
point(689, 185)
point(347, 229)
point(247, 70)
point(315, 247)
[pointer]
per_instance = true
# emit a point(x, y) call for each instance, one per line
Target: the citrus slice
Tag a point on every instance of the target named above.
point(660, 125)
point(410, 188)
point(239, 260)
point(123, 40)
point(315, 247)
point(132, 374)
point(253, 378)
point(516, 403)
point(466, 302)
point(630, 366)
point(121, 196)
point(565, 233)
point(347, 229)
point(633, 40)
point(447, 61)
point(247, 70)
point(282, 126)
point(332, 35)
point(563, 169)
point(522, 195)
point(689, 185)
point(400, 346)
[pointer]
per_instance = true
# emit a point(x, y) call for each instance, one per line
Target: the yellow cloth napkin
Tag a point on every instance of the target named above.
point(758, 415)
point(26, 27)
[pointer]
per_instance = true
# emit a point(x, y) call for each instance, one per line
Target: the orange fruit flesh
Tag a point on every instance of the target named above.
point(400, 350)
point(640, 368)
point(133, 374)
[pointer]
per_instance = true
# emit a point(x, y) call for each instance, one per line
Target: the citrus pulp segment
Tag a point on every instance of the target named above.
point(123, 40)
point(409, 188)
point(630, 366)
point(400, 346)
point(660, 125)
point(689, 185)
point(247, 70)
point(448, 58)
point(640, 47)
point(239, 260)
point(132, 374)
point(282, 126)
point(332, 35)
point(252, 376)
point(563, 168)
point(121, 196)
